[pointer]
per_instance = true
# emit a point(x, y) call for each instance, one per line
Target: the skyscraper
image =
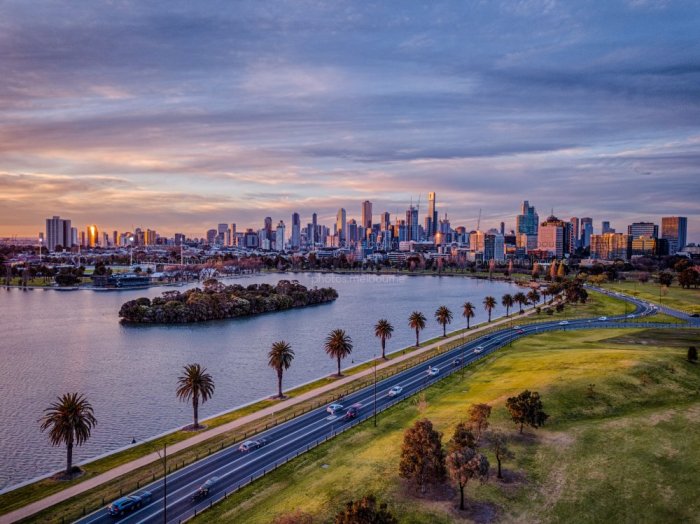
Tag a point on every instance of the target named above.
point(643, 229)
point(279, 236)
point(366, 214)
point(341, 226)
point(553, 236)
point(605, 227)
point(93, 236)
point(58, 233)
point(675, 231)
point(296, 231)
point(575, 233)
point(315, 236)
point(528, 220)
point(384, 221)
point(412, 223)
point(432, 217)
point(586, 231)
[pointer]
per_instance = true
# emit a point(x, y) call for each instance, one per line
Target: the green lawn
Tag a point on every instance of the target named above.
point(674, 296)
point(618, 451)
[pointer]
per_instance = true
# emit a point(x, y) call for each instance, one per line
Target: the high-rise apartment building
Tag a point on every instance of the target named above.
point(384, 221)
point(609, 246)
point(432, 218)
point(494, 246)
point(279, 236)
point(528, 220)
point(412, 223)
point(93, 236)
point(586, 231)
point(366, 214)
point(605, 227)
point(643, 229)
point(575, 233)
point(341, 226)
point(295, 240)
point(675, 231)
point(58, 233)
point(553, 237)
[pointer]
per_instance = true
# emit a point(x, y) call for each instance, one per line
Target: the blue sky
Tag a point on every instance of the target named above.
point(180, 115)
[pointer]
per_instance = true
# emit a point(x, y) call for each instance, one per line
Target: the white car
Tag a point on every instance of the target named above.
point(249, 445)
point(478, 349)
point(602, 318)
point(396, 390)
point(630, 316)
point(432, 371)
point(334, 408)
point(563, 322)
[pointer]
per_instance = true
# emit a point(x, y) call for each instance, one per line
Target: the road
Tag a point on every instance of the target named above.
point(235, 468)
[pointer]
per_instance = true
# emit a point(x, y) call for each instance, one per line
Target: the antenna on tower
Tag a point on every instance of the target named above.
point(478, 221)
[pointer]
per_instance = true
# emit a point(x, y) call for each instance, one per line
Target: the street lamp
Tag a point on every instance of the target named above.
point(375, 390)
point(164, 458)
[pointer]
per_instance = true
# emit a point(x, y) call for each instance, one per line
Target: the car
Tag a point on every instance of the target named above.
point(602, 318)
point(521, 331)
point(250, 445)
point(695, 315)
point(205, 489)
point(396, 390)
point(352, 412)
point(334, 408)
point(456, 362)
point(432, 371)
point(129, 503)
point(630, 316)
point(478, 349)
point(563, 322)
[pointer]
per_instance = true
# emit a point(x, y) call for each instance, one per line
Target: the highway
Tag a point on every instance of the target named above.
point(235, 468)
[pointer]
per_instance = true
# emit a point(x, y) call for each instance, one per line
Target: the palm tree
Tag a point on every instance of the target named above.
point(280, 358)
point(507, 302)
point(444, 316)
point(489, 304)
point(417, 321)
point(521, 299)
point(69, 420)
point(468, 311)
point(383, 330)
point(195, 384)
point(338, 345)
point(533, 296)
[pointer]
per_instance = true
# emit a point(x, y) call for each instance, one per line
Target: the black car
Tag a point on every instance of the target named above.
point(456, 362)
point(204, 489)
point(352, 412)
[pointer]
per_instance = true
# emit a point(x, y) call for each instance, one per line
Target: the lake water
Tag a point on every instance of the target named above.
point(52, 342)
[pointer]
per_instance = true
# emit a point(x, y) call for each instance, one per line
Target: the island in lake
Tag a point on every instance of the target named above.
point(218, 301)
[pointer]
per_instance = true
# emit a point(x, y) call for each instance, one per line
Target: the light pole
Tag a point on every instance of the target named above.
point(41, 241)
point(375, 390)
point(165, 482)
point(131, 259)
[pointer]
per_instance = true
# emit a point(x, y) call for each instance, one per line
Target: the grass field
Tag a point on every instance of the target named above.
point(617, 451)
point(674, 296)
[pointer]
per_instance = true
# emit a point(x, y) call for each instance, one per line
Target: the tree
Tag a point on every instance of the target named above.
point(422, 459)
point(692, 354)
point(417, 321)
point(70, 421)
point(561, 272)
point(479, 419)
point(489, 305)
point(468, 311)
point(553, 270)
point(444, 316)
point(507, 302)
point(665, 279)
point(365, 511)
point(527, 408)
point(196, 385)
point(466, 464)
point(383, 330)
point(533, 296)
point(521, 299)
point(280, 359)
point(338, 345)
point(689, 277)
point(499, 444)
point(462, 437)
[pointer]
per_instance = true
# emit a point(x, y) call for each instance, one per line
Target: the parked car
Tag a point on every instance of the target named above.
point(334, 408)
point(478, 349)
point(121, 506)
point(250, 445)
point(396, 390)
point(432, 371)
point(205, 489)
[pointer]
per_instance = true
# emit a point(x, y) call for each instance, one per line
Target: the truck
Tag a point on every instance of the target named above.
point(124, 505)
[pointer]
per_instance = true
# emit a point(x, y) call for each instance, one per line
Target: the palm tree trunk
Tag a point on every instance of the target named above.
point(195, 408)
point(489, 315)
point(383, 348)
point(279, 383)
point(507, 309)
point(417, 343)
point(461, 496)
point(444, 328)
point(467, 322)
point(69, 458)
point(499, 468)
point(338, 366)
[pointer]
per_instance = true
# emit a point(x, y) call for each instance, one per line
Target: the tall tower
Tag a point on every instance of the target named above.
point(675, 230)
point(432, 215)
point(367, 214)
point(341, 226)
point(296, 231)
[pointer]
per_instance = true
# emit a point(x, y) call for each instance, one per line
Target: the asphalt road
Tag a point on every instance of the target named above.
point(235, 468)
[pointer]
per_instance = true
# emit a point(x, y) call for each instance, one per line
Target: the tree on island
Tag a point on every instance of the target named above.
point(417, 321)
point(70, 421)
point(507, 302)
point(468, 311)
point(365, 511)
point(489, 305)
point(444, 316)
point(338, 345)
point(422, 458)
point(195, 384)
point(280, 359)
point(526, 408)
point(383, 331)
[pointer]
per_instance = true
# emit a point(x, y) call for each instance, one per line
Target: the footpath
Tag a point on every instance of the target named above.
point(82, 487)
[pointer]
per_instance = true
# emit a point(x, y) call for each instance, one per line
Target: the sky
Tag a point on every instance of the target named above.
point(179, 115)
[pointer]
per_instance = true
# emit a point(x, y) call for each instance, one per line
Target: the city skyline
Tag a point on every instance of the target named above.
point(204, 113)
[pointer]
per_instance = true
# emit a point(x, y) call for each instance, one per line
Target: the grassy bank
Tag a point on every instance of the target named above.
point(618, 450)
point(674, 296)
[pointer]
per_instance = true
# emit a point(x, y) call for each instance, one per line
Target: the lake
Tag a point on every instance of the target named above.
point(53, 342)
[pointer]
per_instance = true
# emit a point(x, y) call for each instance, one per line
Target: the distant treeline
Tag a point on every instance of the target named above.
point(218, 301)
